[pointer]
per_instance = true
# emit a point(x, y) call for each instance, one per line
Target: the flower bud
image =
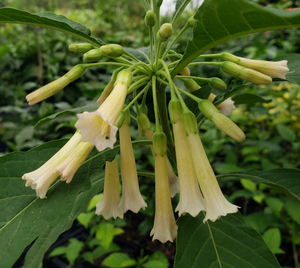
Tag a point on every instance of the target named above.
point(191, 21)
point(112, 50)
point(185, 71)
point(165, 31)
point(175, 111)
point(80, 47)
point(143, 122)
point(76, 72)
point(92, 55)
point(207, 108)
point(150, 19)
point(124, 77)
point(245, 73)
point(190, 84)
point(217, 83)
point(159, 144)
point(190, 123)
point(225, 56)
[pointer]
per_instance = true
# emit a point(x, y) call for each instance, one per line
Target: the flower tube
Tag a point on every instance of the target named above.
point(131, 196)
point(41, 179)
point(108, 206)
point(165, 228)
point(216, 204)
point(98, 127)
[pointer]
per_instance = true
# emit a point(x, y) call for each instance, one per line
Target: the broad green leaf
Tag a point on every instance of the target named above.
point(100, 250)
point(105, 233)
point(88, 256)
point(24, 217)
point(227, 242)
point(58, 251)
point(293, 211)
point(219, 21)
point(286, 133)
point(272, 238)
point(275, 204)
point(86, 108)
point(249, 185)
point(48, 20)
point(258, 220)
point(73, 249)
point(118, 260)
point(249, 99)
point(294, 65)
point(283, 179)
point(85, 218)
point(141, 53)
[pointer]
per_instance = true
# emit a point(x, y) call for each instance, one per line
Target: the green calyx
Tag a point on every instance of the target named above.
point(112, 50)
point(175, 111)
point(189, 122)
point(124, 77)
point(76, 72)
point(207, 108)
point(159, 144)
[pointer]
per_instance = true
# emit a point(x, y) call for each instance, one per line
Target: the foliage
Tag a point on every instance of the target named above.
point(268, 114)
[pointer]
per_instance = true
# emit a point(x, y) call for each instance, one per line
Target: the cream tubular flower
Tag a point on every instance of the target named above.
point(41, 179)
point(55, 86)
point(216, 204)
point(226, 107)
point(67, 169)
point(131, 196)
point(98, 127)
point(165, 228)
point(274, 68)
point(191, 200)
point(108, 206)
point(172, 178)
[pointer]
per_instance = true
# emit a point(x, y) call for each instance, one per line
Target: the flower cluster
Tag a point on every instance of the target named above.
point(195, 181)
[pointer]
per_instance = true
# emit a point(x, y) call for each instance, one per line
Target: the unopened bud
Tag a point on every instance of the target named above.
point(185, 71)
point(175, 111)
point(92, 55)
point(217, 83)
point(112, 50)
point(80, 47)
point(124, 77)
point(165, 31)
point(143, 122)
point(191, 21)
point(225, 56)
point(190, 84)
point(150, 19)
point(245, 73)
point(159, 144)
point(190, 123)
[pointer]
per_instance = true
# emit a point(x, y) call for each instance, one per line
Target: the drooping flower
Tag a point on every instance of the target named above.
point(216, 204)
point(67, 168)
point(41, 179)
point(108, 206)
point(191, 200)
point(165, 228)
point(226, 107)
point(98, 127)
point(55, 86)
point(131, 196)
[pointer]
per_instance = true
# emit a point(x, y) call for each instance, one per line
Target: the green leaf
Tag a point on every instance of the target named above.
point(286, 133)
point(272, 238)
point(100, 251)
point(48, 20)
point(293, 211)
point(58, 251)
point(249, 185)
point(86, 108)
point(73, 249)
point(219, 21)
point(85, 218)
point(249, 99)
point(275, 204)
point(105, 233)
point(118, 260)
point(88, 256)
point(24, 217)
point(227, 242)
point(258, 220)
point(283, 179)
point(294, 65)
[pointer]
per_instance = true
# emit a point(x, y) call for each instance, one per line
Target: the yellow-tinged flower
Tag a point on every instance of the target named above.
point(41, 179)
point(108, 206)
point(165, 228)
point(191, 200)
point(226, 107)
point(55, 86)
point(146, 130)
point(98, 127)
point(131, 196)
point(67, 168)
point(216, 204)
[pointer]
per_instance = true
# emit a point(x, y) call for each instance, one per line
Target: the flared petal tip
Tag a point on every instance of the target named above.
point(164, 235)
point(213, 216)
point(108, 212)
